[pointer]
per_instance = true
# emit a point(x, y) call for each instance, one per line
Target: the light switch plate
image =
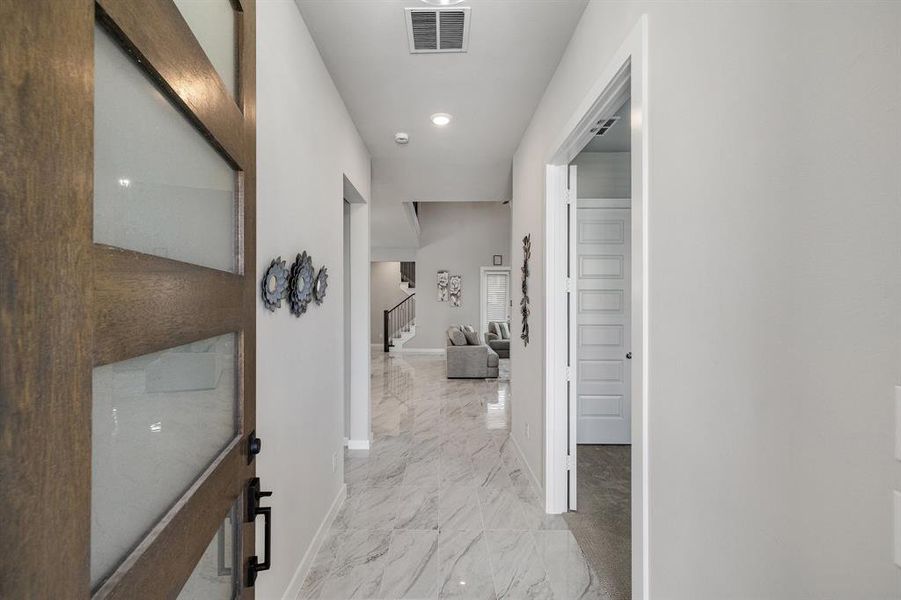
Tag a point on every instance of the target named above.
point(898, 422)
point(897, 540)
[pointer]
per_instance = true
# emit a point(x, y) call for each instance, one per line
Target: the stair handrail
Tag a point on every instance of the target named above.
point(401, 302)
point(396, 318)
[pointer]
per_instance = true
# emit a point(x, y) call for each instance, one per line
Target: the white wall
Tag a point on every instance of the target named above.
point(394, 254)
point(458, 237)
point(775, 289)
point(305, 142)
point(384, 294)
point(604, 174)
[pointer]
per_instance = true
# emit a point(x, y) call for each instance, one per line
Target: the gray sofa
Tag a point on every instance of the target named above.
point(470, 361)
point(496, 341)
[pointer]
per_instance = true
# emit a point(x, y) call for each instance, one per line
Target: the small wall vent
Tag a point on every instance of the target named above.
point(431, 30)
point(604, 125)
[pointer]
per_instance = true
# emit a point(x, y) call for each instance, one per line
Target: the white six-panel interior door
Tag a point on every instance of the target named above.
point(603, 402)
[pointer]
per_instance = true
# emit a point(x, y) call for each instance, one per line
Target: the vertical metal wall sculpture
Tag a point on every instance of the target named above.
point(524, 303)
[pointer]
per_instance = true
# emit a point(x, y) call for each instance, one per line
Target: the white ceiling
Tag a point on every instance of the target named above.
point(491, 91)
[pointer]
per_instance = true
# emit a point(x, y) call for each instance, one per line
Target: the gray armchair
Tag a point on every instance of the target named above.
point(496, 341)
point(470, 362)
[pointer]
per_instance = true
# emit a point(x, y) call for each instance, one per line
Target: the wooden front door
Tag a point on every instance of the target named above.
point(127, 299)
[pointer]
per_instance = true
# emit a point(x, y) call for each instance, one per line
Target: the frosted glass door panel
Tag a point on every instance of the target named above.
point(215, 576)
point(213, 24)
point(159, 187)
point(159, 420)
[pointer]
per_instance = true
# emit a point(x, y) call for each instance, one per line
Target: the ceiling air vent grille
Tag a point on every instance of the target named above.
point(432, 30)
point(424, 30)
point(604, 125)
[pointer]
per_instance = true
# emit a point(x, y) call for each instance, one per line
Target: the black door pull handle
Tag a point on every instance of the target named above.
point(254, 565)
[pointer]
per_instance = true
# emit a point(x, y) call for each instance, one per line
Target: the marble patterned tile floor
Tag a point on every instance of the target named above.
point(441, 505)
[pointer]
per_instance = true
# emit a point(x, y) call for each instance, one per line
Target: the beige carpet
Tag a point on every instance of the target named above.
point(602, 523)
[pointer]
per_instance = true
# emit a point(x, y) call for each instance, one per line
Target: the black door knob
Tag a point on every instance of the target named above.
point(254, 446)
point(629, 355)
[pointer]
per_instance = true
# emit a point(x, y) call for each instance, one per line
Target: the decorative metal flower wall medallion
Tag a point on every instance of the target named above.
point(300, 284)
point(275, 284)
point(321, 285)
point(524, 303)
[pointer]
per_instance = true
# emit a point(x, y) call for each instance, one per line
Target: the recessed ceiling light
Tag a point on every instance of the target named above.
point(442, 2)
point(441, 119)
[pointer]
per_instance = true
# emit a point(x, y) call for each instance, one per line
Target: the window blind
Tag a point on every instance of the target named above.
point(497, 296)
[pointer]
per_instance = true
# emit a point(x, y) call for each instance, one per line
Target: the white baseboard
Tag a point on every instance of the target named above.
point(300, 574)
point(433, 351)
point(536, 484)
point(358, 444)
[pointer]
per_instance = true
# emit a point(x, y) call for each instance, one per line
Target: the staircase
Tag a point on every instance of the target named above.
point(397, 343)
point(399, 324)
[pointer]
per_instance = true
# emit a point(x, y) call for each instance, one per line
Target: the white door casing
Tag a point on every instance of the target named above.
point(572, 370)
point(603, 333)
point(625, 74)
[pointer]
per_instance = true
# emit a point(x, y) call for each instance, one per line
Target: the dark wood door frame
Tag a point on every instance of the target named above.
point(67, 304)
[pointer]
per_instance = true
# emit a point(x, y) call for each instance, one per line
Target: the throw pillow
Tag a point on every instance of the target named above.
point(456, 337)
point(505, 331)
point(473, 338)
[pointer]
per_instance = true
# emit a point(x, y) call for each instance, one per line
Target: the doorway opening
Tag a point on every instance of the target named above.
point(393, 305)
point(348, 294)
point(495, 298)
point(357, 408)
point(495, 306)
point(600, 266)
point(596, 327)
